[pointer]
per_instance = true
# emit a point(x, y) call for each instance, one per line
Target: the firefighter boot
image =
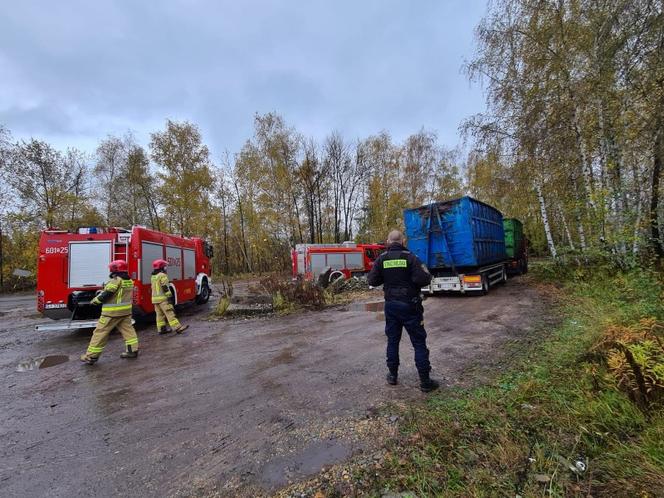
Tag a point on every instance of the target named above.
point(89, 360)
point(129, 353)
point(181, 329)
point(166, 329)
point(392, 377)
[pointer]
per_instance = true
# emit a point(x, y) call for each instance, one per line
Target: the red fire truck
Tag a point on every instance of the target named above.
point(72, 268)
point(343, 260)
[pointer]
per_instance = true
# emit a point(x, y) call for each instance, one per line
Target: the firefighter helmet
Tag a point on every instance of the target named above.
point(119, 265)
point(159, 264)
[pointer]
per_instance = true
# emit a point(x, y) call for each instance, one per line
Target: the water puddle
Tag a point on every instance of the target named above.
point(309, 461)
point(42, 362)
point(376, 307)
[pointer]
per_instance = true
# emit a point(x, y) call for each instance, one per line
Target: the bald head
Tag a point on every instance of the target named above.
point(395, 237)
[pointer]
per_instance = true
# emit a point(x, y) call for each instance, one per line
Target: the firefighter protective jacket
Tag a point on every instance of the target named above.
point(117, 297)
point(401, 272)
point(160, 289)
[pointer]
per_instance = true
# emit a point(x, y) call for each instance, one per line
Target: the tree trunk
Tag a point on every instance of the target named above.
point(583, 159)
point(579, 222)
point(637, 225)
point(570, 241)
point(582, 234)
point(545, 220)
point(244, 239)
point(658, 158)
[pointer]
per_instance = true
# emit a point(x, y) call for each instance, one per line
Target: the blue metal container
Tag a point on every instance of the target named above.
point(461, 233)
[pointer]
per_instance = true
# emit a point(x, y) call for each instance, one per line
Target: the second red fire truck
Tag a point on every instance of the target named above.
point(72, 268)
point(345, 260)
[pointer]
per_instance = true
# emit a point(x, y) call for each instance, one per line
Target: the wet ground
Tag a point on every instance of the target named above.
point(232, 407)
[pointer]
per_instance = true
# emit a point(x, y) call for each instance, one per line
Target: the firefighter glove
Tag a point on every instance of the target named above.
point(96, 301)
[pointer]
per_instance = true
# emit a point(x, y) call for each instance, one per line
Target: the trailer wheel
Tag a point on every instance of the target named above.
point(204, 295)
point(485, 285)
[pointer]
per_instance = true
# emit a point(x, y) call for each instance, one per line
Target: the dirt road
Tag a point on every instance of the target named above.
point(236, 407)
point(23, 301)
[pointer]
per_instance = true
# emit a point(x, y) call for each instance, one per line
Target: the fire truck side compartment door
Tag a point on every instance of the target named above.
point(174, 258)
point(88, 263)
point(149, 252)
point(300, 262)
point(189, 263)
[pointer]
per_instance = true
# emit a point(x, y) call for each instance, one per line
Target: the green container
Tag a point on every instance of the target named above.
point(514, 245)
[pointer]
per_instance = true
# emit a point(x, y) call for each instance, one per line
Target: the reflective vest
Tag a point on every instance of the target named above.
point(119, 304)
point(158, 282)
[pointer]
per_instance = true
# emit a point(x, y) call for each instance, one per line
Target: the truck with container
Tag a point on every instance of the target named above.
point(73, 266)
point(334, 261)
point(462, 242)
point(516, 247)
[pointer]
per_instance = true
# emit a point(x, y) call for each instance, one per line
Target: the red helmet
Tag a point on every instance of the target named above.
point(119, 265)
point(159, 264)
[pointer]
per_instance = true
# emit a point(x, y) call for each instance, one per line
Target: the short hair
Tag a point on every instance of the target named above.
point(395, 236)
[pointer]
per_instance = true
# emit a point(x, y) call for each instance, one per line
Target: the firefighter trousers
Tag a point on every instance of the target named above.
point(105, 326)
point(165, 313)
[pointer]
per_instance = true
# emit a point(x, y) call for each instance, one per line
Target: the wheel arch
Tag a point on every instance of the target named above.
point(200, 279)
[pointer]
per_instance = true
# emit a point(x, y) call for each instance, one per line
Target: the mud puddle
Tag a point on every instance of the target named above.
point(42, 362)
point(309, 461)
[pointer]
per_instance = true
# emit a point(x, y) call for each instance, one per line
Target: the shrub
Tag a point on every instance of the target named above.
point(226, 290)
point(634, 356)
point(288, 295)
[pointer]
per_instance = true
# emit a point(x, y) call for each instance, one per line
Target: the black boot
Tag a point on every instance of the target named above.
point(129, 353)
point(427, 384)
point(391, 378)
point(165, 330)
point(90, 360)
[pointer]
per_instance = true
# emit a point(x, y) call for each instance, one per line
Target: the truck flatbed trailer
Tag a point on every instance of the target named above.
point(476, 280)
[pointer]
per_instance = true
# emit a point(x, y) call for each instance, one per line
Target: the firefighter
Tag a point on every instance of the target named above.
point(161, 296)
point(115, 301)
point(402, 275)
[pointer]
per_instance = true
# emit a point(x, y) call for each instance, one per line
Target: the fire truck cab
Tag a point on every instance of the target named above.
point(345, 260)
point(72, 268)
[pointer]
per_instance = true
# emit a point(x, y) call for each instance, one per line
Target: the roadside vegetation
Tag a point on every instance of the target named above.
point(581, 414)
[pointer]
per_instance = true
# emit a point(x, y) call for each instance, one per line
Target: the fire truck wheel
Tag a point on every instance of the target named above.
point(335, 275)
point(204, 295)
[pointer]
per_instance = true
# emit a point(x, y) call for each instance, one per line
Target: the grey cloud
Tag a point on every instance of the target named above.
point(85, 69)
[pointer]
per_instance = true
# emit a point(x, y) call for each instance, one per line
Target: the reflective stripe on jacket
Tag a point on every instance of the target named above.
point(119, 304)
point(401, 273)
point(158, 282)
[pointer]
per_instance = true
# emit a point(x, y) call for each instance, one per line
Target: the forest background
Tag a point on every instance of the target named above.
point(571, 143)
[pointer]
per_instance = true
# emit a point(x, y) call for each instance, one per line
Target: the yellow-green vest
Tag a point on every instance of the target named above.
point(158, 282)
point(119, 304)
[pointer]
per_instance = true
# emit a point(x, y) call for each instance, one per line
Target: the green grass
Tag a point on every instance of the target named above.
point(557, 404)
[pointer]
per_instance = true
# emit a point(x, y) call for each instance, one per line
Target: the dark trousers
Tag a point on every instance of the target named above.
point(400, 314)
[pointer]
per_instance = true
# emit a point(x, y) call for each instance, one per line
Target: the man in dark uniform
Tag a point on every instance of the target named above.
point(403, 275)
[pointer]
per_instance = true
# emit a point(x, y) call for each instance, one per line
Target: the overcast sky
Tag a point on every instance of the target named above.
point(72, 72)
